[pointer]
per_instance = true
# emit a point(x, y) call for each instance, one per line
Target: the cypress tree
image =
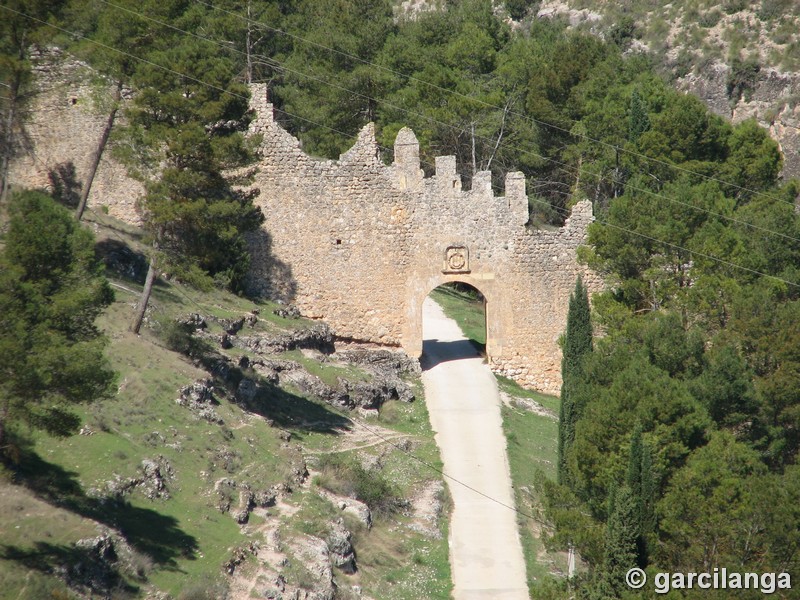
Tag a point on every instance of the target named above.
point(620, 539)
point(577, 342)
point(648, 495)
point(638, 119)
point(642, 486)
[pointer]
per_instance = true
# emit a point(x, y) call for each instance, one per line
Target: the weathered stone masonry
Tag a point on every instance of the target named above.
point(356, 242)
point(64, 124)
point(361, 244)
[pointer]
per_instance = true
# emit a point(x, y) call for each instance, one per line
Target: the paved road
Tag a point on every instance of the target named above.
point(464, 406)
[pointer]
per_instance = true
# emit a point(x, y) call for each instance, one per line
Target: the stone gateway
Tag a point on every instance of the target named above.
point(354, 241)
point(361, 244)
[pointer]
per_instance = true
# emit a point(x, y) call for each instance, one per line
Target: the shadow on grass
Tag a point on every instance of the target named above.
point(147, 531)
point(78, 566)
point(290, 411)
point(283, 408)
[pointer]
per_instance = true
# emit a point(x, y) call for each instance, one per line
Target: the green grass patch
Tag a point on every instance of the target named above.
point(466, 307)
point(532, 442)
point(328, 372)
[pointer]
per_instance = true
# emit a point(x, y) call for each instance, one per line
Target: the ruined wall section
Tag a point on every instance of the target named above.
point(545, 274)
point(336, 233)
point(64, 123)
point(361, 244)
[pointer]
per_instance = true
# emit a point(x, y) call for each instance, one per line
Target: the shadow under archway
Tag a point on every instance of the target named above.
point(435, 352)
point(466, 306)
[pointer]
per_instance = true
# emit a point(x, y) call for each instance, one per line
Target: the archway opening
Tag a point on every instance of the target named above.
point(454, 323)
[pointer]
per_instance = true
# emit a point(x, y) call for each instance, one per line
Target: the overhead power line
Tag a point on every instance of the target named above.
point(553, 126)
point(200, 82)
point(281, 66)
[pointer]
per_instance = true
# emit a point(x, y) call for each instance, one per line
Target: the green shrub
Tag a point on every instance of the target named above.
point(347, 477)
point(742, 78)
point(774, 9)
point(710, 19)
point(179, 337)
point(733, 6)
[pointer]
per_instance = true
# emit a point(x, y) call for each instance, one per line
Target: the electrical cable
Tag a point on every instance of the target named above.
point(488, 104)
point(277, 64)
point(710, 257)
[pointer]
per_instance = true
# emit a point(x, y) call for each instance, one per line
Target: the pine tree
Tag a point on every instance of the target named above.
point(186, 124)
point(51, 291)
point(577, 342)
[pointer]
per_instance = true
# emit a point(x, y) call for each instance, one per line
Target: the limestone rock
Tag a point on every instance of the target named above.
point(199, 398)
point(316, 337)
point(341, 549)
point(349, 505)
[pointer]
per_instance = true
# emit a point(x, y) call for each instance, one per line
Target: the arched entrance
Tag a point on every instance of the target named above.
point(485, 285)
point(453, 324)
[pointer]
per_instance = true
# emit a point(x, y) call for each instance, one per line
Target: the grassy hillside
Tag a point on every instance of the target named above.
point(173, 532)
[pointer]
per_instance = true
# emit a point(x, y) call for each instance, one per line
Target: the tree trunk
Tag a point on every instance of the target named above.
point(136, 325)
point(248, 46)
point(8, 138)
point(98, 154)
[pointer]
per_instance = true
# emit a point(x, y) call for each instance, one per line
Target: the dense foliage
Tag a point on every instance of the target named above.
point(682, 426)
point(687, 409)
point(51, 290)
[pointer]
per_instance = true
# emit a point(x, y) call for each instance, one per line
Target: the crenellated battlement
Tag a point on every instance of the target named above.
point(360, 244)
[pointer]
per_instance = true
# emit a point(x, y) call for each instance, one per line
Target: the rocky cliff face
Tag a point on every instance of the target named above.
point(740, 58)
point(773, 99)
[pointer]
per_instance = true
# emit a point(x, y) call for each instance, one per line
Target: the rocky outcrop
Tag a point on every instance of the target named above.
point(317, 337)
point(198, 397)
point(349, 505)
point(101, 560)
point(228, 490)
point(772, 98)
point(379, 359)
point(312, 555)
point(384, 367)
point(770, 95)
point(342, 553)
point(154, 475)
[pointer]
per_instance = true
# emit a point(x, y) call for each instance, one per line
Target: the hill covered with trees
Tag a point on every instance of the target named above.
point(685, 410)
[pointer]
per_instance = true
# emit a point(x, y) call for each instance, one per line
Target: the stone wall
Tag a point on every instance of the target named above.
point(361, 244)
point(63, 123)
point(354, 241)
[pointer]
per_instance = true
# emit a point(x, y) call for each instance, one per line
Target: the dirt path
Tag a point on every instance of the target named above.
point(464, 406)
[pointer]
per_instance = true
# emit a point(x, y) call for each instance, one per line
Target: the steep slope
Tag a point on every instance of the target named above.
point(740, 58)
point(240, 458)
